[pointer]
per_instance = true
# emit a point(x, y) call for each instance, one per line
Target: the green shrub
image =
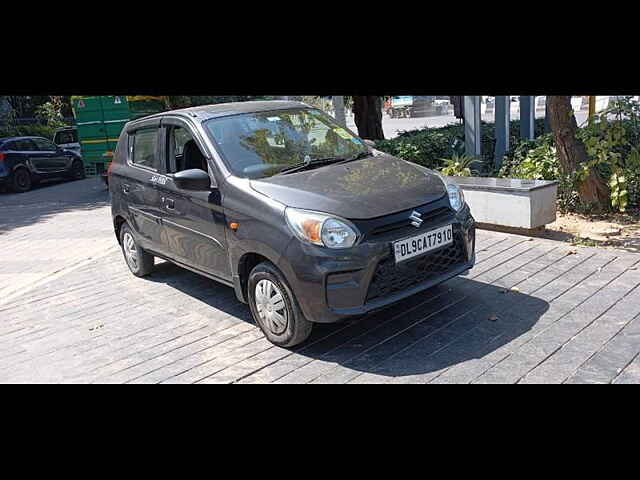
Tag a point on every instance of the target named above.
point(458, 166)
point(612, 145)
point(35, 130)
point(429, 145)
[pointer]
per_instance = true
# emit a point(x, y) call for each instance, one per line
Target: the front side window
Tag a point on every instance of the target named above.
point(258, 145)
point(143, 144)
point(183, 151)
point(44, 145)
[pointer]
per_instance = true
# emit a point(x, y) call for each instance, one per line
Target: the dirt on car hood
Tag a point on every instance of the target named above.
point(371, 187)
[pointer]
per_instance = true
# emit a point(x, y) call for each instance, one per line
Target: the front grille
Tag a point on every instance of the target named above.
point(390, 278)
point(404, 226)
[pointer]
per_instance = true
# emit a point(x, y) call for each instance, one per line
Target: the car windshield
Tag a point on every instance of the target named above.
point(262, 144)
point(65, 136)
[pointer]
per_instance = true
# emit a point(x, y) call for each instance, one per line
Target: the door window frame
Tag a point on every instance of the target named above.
point(166, 124)
point(131, 132)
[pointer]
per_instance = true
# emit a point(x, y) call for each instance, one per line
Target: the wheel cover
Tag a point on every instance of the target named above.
point(22, 179)
point(77, 170)
point(271, 306)
point(130, 251)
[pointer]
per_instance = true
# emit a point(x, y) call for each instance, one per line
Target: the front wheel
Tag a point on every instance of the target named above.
point(77, 170)
point(274, 307)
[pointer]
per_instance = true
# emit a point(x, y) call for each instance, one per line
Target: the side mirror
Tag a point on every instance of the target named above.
point(194, 179)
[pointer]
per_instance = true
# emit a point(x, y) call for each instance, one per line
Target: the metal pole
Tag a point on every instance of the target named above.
point(592, 108)
point(502, 114)
point(472, 135)
point(527, 117)
point(338, 108)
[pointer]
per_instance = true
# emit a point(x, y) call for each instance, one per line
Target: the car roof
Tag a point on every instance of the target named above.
point(205, 112)
point(6, 139)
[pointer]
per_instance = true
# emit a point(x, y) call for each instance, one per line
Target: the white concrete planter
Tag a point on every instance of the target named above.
point(510, 202)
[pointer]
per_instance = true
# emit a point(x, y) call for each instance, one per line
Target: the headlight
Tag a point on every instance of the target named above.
point(456, 197)
point(321, 229)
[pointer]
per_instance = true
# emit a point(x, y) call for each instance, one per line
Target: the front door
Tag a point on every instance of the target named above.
point(194, 222)
point(48, 159)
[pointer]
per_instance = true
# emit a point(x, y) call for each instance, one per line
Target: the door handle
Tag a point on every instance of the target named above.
point(170, 204)
point(126, 189)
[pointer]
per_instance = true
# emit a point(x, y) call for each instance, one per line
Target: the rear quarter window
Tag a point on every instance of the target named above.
point(18, 146)
point(143, 145)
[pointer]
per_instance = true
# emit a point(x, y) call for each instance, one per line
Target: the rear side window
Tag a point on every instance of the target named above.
point(18, 146)
point(143, 144)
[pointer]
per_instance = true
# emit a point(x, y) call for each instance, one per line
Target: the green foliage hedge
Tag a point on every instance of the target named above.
point(613, 147)
point(428, 146)
point(35, 130)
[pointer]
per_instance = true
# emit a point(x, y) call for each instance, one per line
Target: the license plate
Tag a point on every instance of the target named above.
point(423, 243)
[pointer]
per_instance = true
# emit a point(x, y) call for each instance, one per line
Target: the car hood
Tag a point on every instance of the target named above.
point(371, 187)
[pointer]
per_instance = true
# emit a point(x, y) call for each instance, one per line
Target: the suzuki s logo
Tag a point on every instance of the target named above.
point(416, 219)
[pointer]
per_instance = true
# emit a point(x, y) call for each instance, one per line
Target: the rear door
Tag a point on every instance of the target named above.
point(17, 153)
point(194, 221)
point(137, 187)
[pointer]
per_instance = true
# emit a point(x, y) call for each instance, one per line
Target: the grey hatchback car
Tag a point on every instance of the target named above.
point(306, 221)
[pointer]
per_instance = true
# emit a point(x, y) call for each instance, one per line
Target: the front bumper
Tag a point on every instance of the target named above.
point(331, 285)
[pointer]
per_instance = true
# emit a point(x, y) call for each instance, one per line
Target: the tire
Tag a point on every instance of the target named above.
point(22, 181)
point(139, 262)
point(77, 170)
point(286, 326)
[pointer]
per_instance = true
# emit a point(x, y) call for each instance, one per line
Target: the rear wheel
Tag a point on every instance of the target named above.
point(139, 262)
point(274, 308)
point(77, 170)
point(22, 181)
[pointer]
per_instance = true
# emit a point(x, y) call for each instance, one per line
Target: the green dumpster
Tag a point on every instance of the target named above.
point(100, 120)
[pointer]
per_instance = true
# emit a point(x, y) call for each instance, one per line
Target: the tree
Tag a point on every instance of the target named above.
point(572, 154)
point(184, 101)
point(50, 112)
point(367, 112)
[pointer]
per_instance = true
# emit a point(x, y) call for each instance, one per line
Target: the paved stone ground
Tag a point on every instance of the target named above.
point(531, 311)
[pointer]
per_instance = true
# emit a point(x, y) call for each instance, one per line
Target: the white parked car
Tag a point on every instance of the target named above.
point(67, 138)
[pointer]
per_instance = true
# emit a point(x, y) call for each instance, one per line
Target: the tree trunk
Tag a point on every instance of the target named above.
point(594, 191)
point(367, 112)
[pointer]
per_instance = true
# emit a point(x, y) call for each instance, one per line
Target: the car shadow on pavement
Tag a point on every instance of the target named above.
point(453, 323)
point(205, 291)
point(48, 199)
point(450, 324)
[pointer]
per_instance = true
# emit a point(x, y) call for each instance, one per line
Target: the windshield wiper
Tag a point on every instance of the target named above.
point(304, 165)
point(356, 157)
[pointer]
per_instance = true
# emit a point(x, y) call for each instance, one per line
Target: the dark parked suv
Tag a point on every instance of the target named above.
point(306, 221)
point(25, 161)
